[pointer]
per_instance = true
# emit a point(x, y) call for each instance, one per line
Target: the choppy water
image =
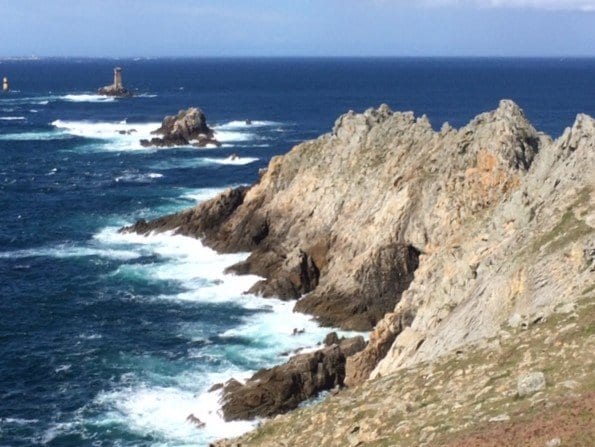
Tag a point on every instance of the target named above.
point(110, 339)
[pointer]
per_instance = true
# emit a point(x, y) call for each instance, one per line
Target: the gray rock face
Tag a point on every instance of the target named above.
point(187, 127)
point(530, 383)
point(282, 388)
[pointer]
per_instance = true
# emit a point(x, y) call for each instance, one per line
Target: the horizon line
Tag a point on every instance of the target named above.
point(138, 58)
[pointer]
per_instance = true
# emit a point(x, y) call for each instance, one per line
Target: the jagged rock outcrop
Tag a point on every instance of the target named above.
point(282, 388)
point(344, 218)
point(526, 254)
point(187, 127)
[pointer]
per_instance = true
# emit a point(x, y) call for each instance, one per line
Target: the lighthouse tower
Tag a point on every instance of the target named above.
point(5, 86)
point(118, 78)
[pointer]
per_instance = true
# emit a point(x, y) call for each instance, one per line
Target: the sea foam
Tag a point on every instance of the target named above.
point(84, 97)
point(115, 135)
point(126, 136)
point(232, 160)
point(69, 251)
point(35, 136)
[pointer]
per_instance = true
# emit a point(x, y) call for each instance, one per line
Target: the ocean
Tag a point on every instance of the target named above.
point(113, 340)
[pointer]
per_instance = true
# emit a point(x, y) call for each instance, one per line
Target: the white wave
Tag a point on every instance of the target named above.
point(12, 118)
point(200, 271)
point(162, 412)
point(138, 178)
point(231, 160)
point(92, 336)
point(35, 136)
point(188, 261)
point(277, 333)
point(159, 407)
point(146, 95)
point(236, 124)
point(202, 194)
point(179, 163)
point(69, 251)
point(40, 100)
point(116, 136)
point(228, 136)
point(63, 368)
point(18, 421)
point(238, 131)
point(126, 136)
point(33, 110)
point(57, 430)
point(86, 98)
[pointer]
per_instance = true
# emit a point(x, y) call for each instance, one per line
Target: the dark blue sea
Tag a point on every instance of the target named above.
point(110, 339)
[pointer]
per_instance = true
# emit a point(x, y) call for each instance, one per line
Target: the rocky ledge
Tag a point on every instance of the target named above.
point(277, 390)
point(188, 127)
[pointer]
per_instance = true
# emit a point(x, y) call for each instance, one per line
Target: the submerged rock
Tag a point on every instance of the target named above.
point(185, 128)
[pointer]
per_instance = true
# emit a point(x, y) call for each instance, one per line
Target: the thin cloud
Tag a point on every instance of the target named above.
point(548, 5)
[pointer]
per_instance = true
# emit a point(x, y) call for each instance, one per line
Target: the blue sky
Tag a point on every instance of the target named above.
point(121, 28)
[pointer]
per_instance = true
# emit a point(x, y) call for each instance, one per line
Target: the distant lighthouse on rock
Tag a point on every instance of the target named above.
point(118, 77)
point(117, 88)
point(5, 86)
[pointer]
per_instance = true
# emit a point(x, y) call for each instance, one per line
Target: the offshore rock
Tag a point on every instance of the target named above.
point(114, 90)
point(185, 128)
point(282, 388)
point(117, 88)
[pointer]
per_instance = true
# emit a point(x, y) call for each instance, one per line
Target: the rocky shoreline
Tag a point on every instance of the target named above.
point(432, 239)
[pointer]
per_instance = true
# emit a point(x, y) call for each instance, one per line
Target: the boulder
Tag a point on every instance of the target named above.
point(530, 383)
point(187, 127)
point(282, 388)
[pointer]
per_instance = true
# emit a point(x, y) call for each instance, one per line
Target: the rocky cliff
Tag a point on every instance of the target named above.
point(434, 238)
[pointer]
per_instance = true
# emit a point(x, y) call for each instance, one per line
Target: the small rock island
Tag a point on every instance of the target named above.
point(117, 88)
point(188, 127)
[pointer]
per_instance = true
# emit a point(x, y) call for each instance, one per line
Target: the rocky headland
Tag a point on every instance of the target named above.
point(455, 247)
point(188, 127)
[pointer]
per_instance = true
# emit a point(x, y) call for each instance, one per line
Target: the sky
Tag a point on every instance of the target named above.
point(207, 28)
